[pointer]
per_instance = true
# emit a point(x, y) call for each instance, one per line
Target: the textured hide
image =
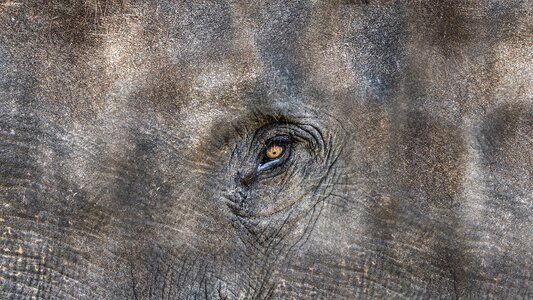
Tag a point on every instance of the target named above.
point(125, 127)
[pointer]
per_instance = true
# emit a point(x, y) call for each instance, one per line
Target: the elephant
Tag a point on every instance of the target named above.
point(269, 149)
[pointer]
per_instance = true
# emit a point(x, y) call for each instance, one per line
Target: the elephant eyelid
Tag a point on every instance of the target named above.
point(287, 136)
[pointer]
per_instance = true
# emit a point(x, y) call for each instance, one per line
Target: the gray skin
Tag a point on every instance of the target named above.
point(132, 140)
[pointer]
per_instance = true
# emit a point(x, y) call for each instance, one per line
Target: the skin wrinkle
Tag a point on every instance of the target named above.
point(125, 127)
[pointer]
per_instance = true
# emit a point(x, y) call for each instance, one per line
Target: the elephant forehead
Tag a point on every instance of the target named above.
point(205, 56)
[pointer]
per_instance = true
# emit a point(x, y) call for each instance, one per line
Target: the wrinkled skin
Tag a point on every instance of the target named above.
point(131, 136)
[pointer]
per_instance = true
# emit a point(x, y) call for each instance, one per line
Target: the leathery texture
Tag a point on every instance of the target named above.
point(133, 133)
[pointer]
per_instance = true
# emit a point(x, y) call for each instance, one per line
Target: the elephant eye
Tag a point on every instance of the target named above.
point(274, 151)
point(275, 154)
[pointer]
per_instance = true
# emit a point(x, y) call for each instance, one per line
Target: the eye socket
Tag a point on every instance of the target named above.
point(275, 154)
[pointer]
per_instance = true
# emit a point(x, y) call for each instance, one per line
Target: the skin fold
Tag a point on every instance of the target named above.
point(133, 137)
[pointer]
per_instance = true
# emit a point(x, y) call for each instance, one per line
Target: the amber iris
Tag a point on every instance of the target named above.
point(274, 151)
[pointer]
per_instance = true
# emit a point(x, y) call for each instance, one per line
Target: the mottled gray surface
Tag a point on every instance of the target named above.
point(131, 131)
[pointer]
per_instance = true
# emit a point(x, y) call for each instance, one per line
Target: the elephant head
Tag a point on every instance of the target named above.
point(266, 149)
